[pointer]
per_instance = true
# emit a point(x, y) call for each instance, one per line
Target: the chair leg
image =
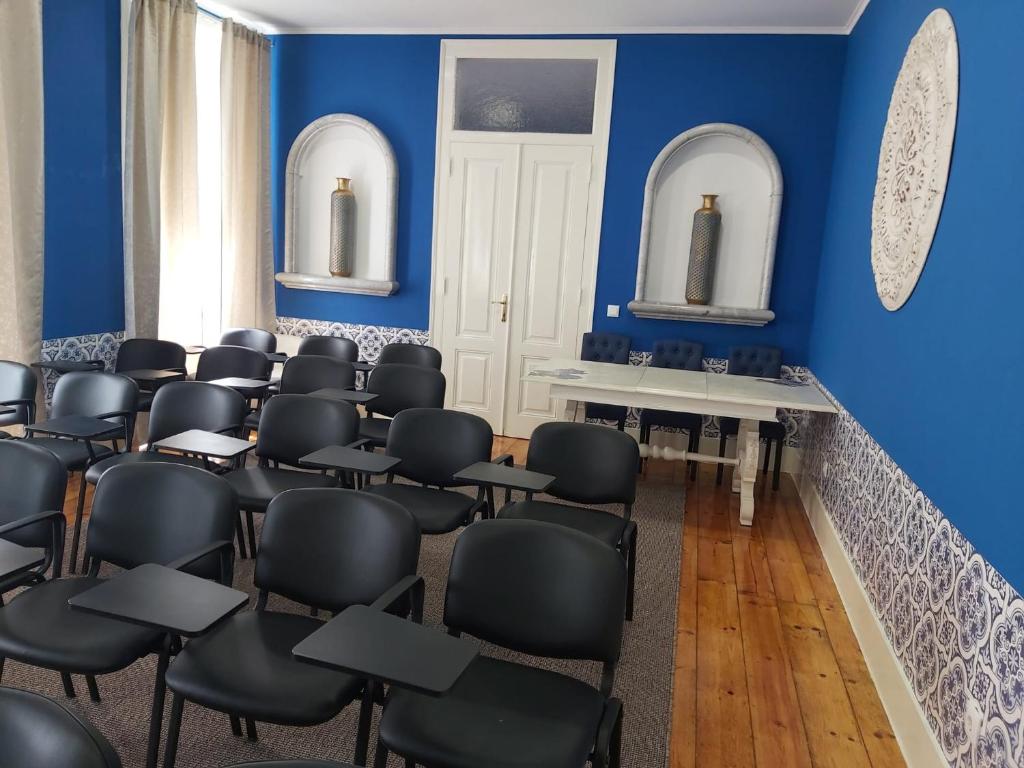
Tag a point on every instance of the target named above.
point(240, 535)
point(94, 689)
point(363, 731)
point(69, 687)
point(629, 553)
point(236, 725)
point(645, 431)
point(156, 715)
point(174, 731)
point(778, 465)
point(615, 750)
point(2, 669)
point(767, 456)
point(380, 756)
point(252, 532)
point(80, 509)
point(250, 730)
point(693, 447)
point(721, 454)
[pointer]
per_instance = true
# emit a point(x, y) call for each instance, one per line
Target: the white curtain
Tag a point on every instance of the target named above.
point(247, 247)
point(21, 179)
point(160, 170)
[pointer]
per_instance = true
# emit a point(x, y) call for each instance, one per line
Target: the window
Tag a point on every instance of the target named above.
point(208, 263)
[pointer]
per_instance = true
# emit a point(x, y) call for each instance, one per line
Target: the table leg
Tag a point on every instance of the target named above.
point(745, 473)
point(571, 407)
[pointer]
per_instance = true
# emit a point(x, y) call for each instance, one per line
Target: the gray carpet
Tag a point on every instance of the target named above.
point(644, 679)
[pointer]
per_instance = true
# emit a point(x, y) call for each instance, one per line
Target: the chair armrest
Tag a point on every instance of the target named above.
point(226, 549)
point(114, 415)
point(506, 458)
point(24, 522)
point(414, 586)
point(59, 526)
point(361, 443)
point(611, 720)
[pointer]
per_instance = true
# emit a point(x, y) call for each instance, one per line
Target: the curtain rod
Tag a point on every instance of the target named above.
point(211, 14)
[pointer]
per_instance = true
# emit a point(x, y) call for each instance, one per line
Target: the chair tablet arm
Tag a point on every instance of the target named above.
point(115, 415)
point(26, 402)
point(611, 720)
point(41, 517)
point(506, 458)
point(414, 586)
point(59, 526)
point(227, 551)
point(361, 443)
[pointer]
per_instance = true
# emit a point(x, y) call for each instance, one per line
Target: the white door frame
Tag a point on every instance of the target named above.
point(601, 50)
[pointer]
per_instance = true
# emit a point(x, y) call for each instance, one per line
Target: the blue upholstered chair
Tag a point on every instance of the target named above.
point(765, 363)
point(680, 355)
point(606, 348)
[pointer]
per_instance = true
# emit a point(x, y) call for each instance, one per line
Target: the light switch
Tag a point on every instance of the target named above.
point(613, 310)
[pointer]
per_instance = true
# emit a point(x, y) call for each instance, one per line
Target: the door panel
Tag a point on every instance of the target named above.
point(554, 190)
point(480, 204)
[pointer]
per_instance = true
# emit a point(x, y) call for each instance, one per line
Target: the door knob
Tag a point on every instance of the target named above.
point(504, 307)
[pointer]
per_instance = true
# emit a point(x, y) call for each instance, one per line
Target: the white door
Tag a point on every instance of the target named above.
point(547, 282)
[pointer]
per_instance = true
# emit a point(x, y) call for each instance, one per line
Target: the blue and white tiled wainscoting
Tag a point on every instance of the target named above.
point(370, 338)
point(955, 624)
point(94, 346)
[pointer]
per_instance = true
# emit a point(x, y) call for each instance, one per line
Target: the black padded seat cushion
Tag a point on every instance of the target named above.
point(768, 430)
point(252, 421)
point(257, 486)
point(145, 401)
point(245, 667)
point(691, 422)
point(74, 454)
point(93, 473)
point(375, 430)
point(499, 715)
point(603, 526)
point(437, 511)
point(605, 412)
point(39, 628)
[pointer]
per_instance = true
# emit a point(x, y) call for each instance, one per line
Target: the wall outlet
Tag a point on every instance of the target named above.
point(613, 310)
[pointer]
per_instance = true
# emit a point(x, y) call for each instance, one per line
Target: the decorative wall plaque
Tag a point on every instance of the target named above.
point(913, 164)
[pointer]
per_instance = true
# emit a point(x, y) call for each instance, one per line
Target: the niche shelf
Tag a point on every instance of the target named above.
point(333, 146)
point(737, 165)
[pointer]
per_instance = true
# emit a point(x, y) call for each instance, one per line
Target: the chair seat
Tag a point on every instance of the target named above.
point(499, 715)
point(252, 421)
point(95, 472)
point(145, 402)
point(74, 454)
point(375, 430)
point(257, 486)
point(688, 421)
point(769, 430)
point(246, 668)
point(605, 412)
point(601, 525)
point(38, 627)
point(437, 511)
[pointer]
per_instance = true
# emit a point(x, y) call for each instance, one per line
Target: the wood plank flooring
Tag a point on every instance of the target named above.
point(768, 672)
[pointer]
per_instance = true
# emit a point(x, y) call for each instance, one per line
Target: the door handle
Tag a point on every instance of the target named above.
point(504, 307)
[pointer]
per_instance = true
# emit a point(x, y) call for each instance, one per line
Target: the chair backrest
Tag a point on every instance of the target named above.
point(232, 361)
point(765, 362)
point(32, 480)
point(93, 394)
point(680, 354)
point(410, 354)
point(179, 406)
point(591, 464)
point(17, 382)
point(36, 731)
point(331, 548)
point(139, 354)
point(434, 444)
point(537, 588)
point(307, 373)
point(330, 346)
point(158, 513)
point(399, 386)
point(293, 426)
point(253, 338)
point(605, 348)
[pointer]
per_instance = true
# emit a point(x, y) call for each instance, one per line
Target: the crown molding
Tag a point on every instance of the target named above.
point(552, 31)
point(855, 16)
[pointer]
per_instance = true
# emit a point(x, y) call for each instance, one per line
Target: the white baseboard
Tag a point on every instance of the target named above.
point(916, 739)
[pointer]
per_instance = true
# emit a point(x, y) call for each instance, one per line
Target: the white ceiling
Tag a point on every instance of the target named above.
point(520, 17)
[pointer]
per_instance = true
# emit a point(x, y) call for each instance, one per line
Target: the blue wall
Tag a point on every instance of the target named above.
point(783, 87)
point(937, 383)
point(83, 290)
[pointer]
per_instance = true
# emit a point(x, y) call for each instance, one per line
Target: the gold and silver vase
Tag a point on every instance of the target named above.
point(707, 223)
point(343, 229)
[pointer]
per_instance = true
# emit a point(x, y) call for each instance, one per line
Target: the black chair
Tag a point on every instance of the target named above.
point(36, 732)
point(307, 373)
point(538, 589)
point(32, 486)
point(141, 354)
point(398, 386)
point(324, 548)
point(17, 390)
point(177, 516)
point(230, 361)
point(592, 465)
point(410, 354)
point(292, 426)
point(178, 407)
point(99, 395)
point(293, 764)
point(330, 346)
point(765, 363)
point(253, 338)
point(680, 355)
point(605, 348)
point(434, 445)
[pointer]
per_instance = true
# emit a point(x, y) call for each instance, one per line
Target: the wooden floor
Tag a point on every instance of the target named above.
point(768, 671)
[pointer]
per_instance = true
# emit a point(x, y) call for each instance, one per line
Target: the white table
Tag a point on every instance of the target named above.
point(747, 398)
